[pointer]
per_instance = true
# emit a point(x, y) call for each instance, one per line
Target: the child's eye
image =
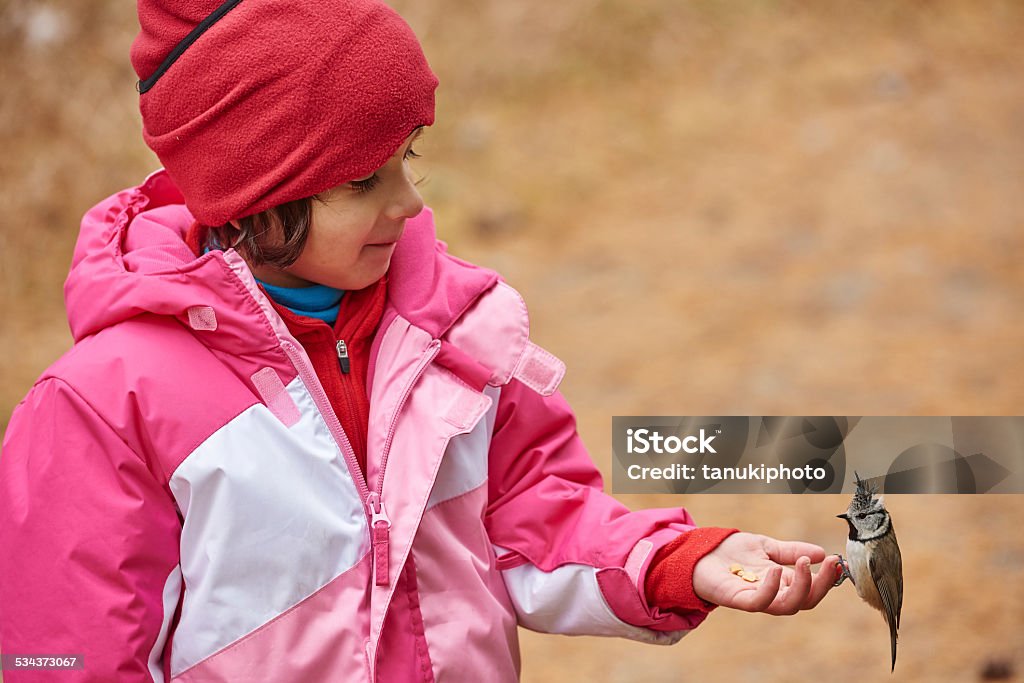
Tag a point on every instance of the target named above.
point(368, 184)
point(365, 185)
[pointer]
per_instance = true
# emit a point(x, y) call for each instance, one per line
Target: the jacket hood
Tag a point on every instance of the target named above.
point(131, 259)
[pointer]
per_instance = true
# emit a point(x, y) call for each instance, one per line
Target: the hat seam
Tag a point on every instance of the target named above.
point(212, 18)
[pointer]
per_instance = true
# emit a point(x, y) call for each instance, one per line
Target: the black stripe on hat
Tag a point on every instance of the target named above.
point(186, 42)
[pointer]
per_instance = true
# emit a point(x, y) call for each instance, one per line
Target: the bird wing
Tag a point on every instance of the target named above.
point(886, 567)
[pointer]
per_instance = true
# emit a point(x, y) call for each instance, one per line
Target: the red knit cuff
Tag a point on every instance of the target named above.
point(669, 583)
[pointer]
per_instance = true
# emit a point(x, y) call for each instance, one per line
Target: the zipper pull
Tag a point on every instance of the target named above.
point(380, 532)
point(343, 360)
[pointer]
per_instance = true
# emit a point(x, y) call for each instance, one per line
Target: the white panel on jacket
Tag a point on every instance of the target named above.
point(271, 515)
point(464, 466)
point(569, 600)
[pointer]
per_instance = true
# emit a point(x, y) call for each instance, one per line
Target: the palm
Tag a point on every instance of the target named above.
point(779, 589)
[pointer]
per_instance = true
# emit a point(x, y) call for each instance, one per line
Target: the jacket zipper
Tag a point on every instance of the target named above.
point(380, 532)
point(377, 519)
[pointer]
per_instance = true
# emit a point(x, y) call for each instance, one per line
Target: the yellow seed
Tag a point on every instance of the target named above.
point(747, 576)
point(736, 569)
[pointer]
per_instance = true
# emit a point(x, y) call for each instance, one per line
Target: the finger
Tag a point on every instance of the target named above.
point(759, 599)
point(792, 599)
point(822, 582)
point(787, 552)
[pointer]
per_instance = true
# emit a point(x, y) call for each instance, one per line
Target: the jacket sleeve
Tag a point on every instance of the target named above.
point(89, 540)
point(573, 558)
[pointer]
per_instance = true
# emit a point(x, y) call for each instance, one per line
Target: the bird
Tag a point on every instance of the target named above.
point(874, 564)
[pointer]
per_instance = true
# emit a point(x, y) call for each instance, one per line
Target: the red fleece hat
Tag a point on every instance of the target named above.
point(251, 103)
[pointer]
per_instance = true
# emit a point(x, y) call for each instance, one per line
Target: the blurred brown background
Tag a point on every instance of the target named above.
point(713, 207)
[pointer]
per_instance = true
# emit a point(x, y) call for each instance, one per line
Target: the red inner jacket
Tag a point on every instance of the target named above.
point(358, 318)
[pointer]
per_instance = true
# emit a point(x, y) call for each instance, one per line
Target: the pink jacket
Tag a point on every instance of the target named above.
point(179, 503)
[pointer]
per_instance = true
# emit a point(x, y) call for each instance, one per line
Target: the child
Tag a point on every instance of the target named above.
point(295, 439)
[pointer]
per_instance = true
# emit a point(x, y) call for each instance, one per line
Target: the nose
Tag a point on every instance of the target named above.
point(407, 202)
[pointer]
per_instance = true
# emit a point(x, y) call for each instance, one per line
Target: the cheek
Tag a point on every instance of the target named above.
point(335, 244)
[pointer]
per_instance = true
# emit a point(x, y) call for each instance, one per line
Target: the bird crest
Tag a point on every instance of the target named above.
point(864, 496)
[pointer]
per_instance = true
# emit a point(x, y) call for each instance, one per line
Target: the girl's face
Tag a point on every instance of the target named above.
point(354, 228)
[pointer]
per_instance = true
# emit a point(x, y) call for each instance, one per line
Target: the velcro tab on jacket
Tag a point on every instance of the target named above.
point(275, 396)
point(539, 370)
point(202, 318)
point(495, 333)
point(467, 409)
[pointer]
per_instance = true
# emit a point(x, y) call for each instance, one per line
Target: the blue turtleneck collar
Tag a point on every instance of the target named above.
point(314, 301)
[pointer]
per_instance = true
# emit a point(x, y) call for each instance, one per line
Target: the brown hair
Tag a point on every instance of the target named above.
point(273, 237)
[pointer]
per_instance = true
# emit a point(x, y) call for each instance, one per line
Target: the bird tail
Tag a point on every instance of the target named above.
point(892, 641)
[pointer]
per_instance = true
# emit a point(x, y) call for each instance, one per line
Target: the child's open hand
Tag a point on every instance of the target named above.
point(779, 590)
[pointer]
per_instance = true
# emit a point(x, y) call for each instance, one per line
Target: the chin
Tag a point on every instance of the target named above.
point(361, 282)
point(360, 276)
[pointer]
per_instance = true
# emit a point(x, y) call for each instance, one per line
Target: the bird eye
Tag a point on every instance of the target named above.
point(860, 516)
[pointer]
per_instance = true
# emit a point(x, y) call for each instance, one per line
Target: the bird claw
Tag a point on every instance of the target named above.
point(845, 573)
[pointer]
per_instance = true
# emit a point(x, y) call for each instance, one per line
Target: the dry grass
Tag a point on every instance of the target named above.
point(713, 208)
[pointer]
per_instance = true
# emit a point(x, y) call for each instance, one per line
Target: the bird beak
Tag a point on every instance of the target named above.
point(844, 516)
